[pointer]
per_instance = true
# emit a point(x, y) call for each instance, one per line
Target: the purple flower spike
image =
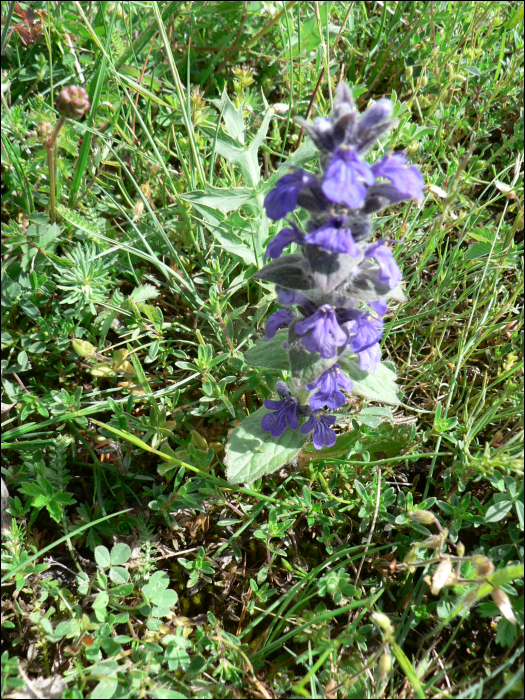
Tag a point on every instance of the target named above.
point(389, 271)
point(279, 242)
point(369, 359)
point(325, 335)
point(344, 177)
point(333, 238)
point(407, 179)
point(323, 435)
point(280, 318)
point(283, 198)
point(285, 411)
point(329, 392)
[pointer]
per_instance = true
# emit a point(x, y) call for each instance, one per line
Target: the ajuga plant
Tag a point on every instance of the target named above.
point(333, 290)
point(72, 103)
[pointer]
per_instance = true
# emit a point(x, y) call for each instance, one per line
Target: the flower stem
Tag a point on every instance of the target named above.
point(51, 166)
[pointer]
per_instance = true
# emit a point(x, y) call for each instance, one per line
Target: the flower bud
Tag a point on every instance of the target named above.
point(424, 517)
point(502, 600)
point(441, 575)
point(44, 130)
point(410, 556)
point(72, 102)
point(484, 565)
point(408, 72)
point(382, 621)
point(385, 665)
point(244, 75)
point(138, 209)
point(460, 549)
point(432, 542)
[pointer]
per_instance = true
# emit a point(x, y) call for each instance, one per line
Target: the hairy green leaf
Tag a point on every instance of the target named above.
point(252, 452)
point(269, 354)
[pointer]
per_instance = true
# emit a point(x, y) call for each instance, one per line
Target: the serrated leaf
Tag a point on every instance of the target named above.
point(269, 354)
point(251, 452)
point(480, 250)
point(55, 510)
point(143, 293)
point(378, 386)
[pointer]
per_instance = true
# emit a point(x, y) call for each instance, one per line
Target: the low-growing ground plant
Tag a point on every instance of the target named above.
point(190, 509)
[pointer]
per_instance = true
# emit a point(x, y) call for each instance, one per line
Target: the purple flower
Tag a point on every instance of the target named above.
point(283, 198)
point(280, 318)
point(324, 334)
point(285, 410)
point(333, 238)
point(328, 385)
point(344, 177)
point(289, 297)
point(279, 242)
point(369, 358)
point(379, 306)
point(363, 330)
point(407, 179)
point(323, 435)
point(389, 271)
